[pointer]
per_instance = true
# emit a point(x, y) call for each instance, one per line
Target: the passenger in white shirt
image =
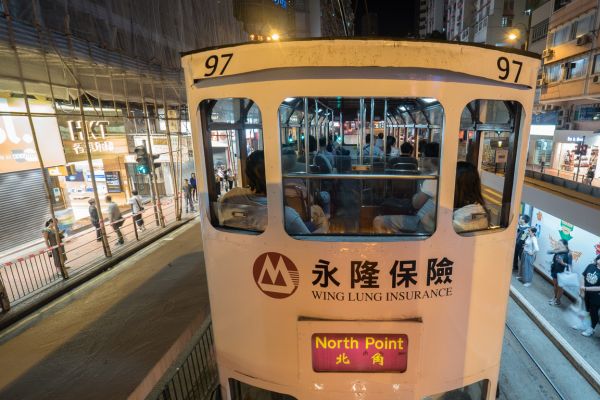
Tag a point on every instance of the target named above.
point(530, 248)
point(137, 207)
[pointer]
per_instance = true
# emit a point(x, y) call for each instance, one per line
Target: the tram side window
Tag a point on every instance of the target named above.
point(243, 391)
point(234, 160)
point(488, 143)
point(360, 166)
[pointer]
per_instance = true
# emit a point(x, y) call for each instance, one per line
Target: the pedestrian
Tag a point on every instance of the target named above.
point(50, 232)
point(530, 248)
point(230, 178)
point(590, 291)
point(116, 219)
point(218, 182)
point(137, 209)
point(561, 261)
point(187, 195)
point(193, 186)
point(522, 232)
point(226, 180)
point(95, 219)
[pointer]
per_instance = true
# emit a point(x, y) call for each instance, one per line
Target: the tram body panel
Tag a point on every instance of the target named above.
point(457, 335)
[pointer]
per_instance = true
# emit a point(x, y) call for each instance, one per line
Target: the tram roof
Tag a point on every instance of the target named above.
point(503, 65)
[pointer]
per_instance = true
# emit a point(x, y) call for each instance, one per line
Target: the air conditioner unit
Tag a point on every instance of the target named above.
point(596, 79)
point(547, 53)
point(582, 40)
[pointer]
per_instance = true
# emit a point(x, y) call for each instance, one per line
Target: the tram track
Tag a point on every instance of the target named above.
point(536, 363)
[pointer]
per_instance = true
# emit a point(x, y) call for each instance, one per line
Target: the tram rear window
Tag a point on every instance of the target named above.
point(233, 153)
point(360, 166)
point(485, 172)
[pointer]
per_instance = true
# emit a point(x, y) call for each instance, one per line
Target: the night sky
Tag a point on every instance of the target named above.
point(395, 18)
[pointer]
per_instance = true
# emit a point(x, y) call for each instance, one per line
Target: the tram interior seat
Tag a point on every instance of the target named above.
point(296, 197)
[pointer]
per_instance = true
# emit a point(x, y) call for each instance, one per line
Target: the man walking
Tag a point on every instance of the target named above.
point(187, 195)
point(194, 189)
point(95, 218)
point(116, 219)
point(137, 208)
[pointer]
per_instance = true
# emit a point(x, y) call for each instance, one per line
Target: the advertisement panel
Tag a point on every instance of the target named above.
point(17, 148)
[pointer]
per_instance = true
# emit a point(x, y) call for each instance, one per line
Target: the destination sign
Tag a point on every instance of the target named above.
point(358, 352)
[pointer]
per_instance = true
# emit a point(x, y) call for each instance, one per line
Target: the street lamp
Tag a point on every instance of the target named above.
point(515, 34)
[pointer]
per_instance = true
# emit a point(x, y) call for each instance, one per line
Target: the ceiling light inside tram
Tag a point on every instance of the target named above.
point(289, 99)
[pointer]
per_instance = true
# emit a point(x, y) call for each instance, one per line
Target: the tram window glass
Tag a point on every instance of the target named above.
point(488, 141)
point(243, 391)
point(234, 158)
point(360, 166)
point(474, 391)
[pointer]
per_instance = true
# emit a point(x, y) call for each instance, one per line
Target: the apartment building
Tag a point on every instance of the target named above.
point(570, 86)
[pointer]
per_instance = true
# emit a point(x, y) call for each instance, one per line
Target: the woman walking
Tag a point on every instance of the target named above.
point(561, 261)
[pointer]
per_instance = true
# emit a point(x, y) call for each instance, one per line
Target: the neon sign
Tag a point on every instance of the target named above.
point(280, 3)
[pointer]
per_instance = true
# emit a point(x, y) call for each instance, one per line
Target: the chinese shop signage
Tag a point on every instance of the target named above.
point(357, 352)
point(105, 140)
point(364, 280)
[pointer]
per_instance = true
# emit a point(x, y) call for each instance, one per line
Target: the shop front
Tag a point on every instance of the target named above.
point(22, 192)
point(575, 154)
point(541, 139)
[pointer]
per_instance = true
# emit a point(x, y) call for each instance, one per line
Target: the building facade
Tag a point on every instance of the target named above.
point(82, 84)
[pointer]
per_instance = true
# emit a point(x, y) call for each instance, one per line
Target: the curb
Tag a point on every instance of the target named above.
point(561, 344)
point(55, 291)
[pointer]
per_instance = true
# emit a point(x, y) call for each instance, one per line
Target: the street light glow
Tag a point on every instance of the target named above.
point(512, 36)
point(275, 36)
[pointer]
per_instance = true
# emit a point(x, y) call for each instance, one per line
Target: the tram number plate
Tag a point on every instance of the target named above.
point(509, 68)
point(213, 62)
point(358, 352)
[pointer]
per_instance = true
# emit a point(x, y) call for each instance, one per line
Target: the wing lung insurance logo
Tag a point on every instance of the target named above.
point(275, 275)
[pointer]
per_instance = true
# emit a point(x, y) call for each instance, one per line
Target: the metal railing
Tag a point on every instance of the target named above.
point(28, 275)
point(197, 377)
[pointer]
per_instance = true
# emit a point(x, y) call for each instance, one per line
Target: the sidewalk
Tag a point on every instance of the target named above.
point(26, 274)
point(538, 295)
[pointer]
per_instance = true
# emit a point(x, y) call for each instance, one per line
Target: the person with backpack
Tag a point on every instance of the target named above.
point(137, 208)
point(95, 218)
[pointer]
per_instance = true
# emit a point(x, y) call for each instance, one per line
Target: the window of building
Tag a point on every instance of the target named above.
point(561, 35)
point(488, 138)
point(506, 22)
point(596, 64)
point(233, 154)
point(587, 112)
point(575, 68)
point(553, 72)
point(584, 25)
point(539, 31)
point(360, 166)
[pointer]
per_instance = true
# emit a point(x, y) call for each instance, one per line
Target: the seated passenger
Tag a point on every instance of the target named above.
point(247, 208)
point(326, 150)
point(391, 150)
point(469, 207)
point(367, 148)
point(405, 160)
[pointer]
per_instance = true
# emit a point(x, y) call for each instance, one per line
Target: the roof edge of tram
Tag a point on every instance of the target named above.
point(509, 50)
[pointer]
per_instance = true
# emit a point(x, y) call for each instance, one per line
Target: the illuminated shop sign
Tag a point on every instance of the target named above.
point(96, 135)
point(105, 138)
point(357, 352)
point(574, 138)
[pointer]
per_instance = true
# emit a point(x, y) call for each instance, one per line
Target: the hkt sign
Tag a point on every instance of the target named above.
point(276, 275)
point(76, 129)
point(96, 133)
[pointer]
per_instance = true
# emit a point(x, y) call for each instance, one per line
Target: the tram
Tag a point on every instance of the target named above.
point(359, 200)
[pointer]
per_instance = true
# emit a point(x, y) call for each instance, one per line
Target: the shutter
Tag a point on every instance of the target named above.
point(23, 208)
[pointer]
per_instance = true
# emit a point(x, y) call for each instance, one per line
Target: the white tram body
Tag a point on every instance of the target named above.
point(279, 328)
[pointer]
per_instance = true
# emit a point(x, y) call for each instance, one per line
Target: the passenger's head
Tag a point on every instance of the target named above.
point(322, 142)
point(92, 201)
point(406, 149)
point(533, 230)
point(467, 189)
point(380, 135)
point(390, 141)
point(49, 222)
point(193, 175)
point(524, 219)
point(367, 138)
point(312, 144)
point(109, 198)
point(134, 192)
point(431, 152)
point(255, 171)
point(597, 260)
